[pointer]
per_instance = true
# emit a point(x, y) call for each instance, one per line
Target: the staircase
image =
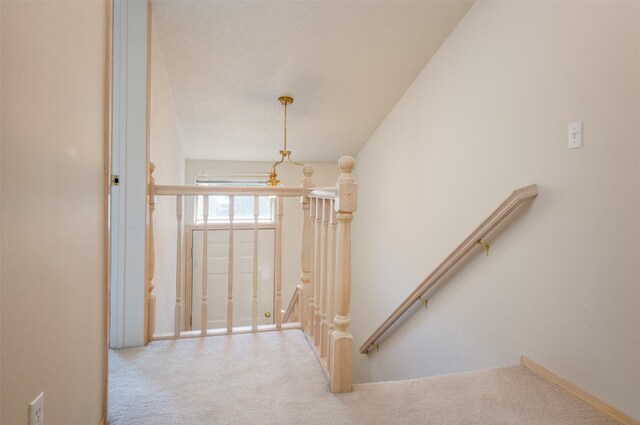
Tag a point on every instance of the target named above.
point(300, 371)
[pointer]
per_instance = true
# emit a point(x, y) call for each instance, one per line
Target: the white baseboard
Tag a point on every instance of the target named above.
point(599, 405)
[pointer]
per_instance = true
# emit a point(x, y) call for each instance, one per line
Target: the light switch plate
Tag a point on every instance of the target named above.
point(36, 411)
point(575, 135)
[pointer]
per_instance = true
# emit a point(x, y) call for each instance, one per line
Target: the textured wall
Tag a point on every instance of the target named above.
point(52, 120)
point(487, 115)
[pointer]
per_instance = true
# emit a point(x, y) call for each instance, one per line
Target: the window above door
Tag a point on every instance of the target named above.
point(243, 205)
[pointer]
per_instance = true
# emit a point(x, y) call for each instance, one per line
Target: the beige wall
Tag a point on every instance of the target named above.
point(166, 154)
point(52, 120)
point(487, 115)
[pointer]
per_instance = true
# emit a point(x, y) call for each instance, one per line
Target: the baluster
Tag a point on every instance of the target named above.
point(306, 252)
point(278, 271)
point(317, 277)
point(296, 307)
point(331, 241)
point(323, 302)
point(341, 340)
point(230, 267)
point(204, 309)
point(151, 256)
point(314, 282)
point(188, 277)
point(254, 302)
point(294, 313)
point(178, 314)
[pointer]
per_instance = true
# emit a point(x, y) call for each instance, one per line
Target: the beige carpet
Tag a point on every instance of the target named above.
point(274, 378)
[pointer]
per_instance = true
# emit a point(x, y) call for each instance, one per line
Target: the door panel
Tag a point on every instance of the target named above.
point(217, 280)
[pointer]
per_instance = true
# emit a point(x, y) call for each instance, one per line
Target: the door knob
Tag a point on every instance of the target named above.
point(267, 314)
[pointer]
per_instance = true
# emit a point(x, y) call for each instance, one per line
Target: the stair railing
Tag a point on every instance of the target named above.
point(476, 238)
point(321, 301)
point(179, 192)
point(326, 274)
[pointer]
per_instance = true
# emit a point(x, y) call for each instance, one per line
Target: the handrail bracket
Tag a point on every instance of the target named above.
point(485, 246)
point(424, 301)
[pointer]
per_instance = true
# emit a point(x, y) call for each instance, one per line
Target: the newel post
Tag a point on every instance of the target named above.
point(151, 255)
point(341, 342)
point(306, 253)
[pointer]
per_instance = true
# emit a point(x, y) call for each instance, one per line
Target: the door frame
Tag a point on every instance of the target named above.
point(130, 163)
point(188, 267)
point(111, 248)
point(107, 200)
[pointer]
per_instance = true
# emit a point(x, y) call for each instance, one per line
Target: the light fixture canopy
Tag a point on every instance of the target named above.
point(284, 153)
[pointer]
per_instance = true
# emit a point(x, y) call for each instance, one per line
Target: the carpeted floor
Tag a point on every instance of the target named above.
point(274, 378)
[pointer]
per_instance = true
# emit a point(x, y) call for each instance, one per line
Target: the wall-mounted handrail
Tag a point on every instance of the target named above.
point(497, 216)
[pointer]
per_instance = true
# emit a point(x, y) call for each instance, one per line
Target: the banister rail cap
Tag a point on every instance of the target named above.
point(347, 164)
point(307, 170)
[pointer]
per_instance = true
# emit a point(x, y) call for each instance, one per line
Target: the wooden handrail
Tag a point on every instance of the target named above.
point(169, 190)
point(503, 211)
point(295, 298)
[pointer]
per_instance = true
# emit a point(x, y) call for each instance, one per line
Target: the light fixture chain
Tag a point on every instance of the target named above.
point(284, 154)
point(285, 126)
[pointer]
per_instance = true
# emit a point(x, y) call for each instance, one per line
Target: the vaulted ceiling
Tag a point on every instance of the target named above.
point(346, 63)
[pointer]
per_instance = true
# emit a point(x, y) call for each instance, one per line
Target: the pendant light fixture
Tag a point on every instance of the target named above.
point(284, 153)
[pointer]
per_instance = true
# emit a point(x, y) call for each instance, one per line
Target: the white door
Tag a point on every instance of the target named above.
point(218, 278)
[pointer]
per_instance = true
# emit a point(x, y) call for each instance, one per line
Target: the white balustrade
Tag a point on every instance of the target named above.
point(278, 265)
point(320, 303)
point(317, 275)
point(204, 308)
point(332, 242)
point(324, 326)
point(230, 266)
point(341, 343)
point(306, 312)
point(254, 303)
point(328, 244)
point(178, 312)
point(314, 281)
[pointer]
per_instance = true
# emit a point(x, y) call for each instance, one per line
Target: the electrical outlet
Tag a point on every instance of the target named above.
point(36, 411)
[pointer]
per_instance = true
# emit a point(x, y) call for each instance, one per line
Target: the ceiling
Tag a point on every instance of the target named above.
point(346, 63)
